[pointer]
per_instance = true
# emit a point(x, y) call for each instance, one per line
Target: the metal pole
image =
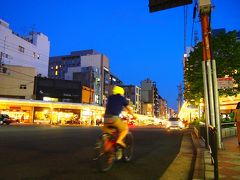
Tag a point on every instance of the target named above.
point(217, 107)
point(210, 91)
point(215, 149)
point(206, 101)
point(1, 57)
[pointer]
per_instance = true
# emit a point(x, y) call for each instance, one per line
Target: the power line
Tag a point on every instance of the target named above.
point(27, 54)
point(9, 76)
point(185, 27)
point(20, 72)
point(193, 23)
point(17, 45)
point(13, 87)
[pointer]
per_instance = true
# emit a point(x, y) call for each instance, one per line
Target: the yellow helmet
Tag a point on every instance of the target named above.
point(118, 90)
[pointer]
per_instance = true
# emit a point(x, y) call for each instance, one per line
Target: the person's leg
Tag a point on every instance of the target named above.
point(238, 131)
point(123, 131)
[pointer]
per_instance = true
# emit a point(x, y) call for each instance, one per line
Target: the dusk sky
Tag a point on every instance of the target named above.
point(139, 44)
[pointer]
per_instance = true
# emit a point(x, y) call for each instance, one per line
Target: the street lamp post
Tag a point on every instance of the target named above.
point(209, 66)
point(209, 73)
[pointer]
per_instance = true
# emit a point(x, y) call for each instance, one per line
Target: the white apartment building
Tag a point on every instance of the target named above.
point(27, 51)
point(79, 63)
point(133, 93)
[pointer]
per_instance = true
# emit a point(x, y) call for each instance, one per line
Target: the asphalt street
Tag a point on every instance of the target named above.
point(54, 152)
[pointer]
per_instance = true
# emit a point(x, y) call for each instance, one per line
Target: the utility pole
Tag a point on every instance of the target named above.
point(209, 65)
point(1, 57)
point(209, 73)
point(180, 97)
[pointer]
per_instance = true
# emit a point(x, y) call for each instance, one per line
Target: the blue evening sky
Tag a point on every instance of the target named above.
point(139, 45)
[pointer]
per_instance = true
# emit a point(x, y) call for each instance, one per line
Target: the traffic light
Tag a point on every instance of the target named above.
point(158, 5)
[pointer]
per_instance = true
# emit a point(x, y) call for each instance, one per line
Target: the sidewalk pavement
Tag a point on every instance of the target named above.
point(229, 159)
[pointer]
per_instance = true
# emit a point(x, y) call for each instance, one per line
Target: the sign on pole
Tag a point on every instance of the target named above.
point(158, 5)
point(225, 83)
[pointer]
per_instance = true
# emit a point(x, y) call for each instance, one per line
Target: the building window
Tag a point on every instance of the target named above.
point(56, 67)
point(36, 55)
point(21, 49)
point(23, 86)
point(56, 73)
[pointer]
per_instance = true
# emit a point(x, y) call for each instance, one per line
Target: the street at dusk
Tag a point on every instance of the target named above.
point(76, 76)
point(53, 152)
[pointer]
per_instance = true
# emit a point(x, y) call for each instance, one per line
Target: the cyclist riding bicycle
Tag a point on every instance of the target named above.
point(115, 104)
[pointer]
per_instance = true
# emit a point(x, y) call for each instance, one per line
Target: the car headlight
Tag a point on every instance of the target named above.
point(168, 124)
point(180, 124)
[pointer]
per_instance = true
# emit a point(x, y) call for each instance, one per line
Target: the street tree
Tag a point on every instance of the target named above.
point(226, 52)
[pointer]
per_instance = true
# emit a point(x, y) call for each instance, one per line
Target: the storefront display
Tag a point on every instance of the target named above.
point(17, 113)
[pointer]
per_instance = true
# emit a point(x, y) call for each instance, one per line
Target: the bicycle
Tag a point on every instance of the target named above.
point(107, 151)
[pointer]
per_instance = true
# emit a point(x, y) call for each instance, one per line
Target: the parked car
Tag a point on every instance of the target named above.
point(5, 119)
point(174, 123)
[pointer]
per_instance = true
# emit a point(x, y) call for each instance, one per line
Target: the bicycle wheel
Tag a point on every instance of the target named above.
point(128, 151)
point(104, 158)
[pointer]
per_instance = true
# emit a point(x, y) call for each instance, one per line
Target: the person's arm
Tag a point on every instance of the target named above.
point(235, 116)
point(130, 111)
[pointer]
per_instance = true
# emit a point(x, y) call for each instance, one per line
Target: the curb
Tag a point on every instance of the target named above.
point(181, 167)
point(203, 168)
point(199, 168)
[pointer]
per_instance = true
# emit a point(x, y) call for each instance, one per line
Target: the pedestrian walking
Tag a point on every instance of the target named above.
point(237, 120)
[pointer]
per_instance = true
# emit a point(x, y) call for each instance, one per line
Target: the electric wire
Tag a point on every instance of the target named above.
point(21, 53)
point(185, 27)
point(20, 73)
point(17, 87)
point(194, 21)
point(17, 46)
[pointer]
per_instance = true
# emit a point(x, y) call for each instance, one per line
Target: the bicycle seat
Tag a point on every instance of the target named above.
point(113, 129)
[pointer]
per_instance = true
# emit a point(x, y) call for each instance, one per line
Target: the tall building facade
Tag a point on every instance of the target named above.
point(147, 97)
point(133, 93)
point(28, 51)
point(59, 66)
point(156, 104)
point(163, 108)
point(87, 66)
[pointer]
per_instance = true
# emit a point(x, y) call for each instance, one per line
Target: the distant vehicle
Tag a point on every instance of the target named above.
point(131, 123)
point(5, 119)
point(174, 123)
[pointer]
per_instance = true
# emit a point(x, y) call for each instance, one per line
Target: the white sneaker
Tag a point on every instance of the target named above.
point(119, 153)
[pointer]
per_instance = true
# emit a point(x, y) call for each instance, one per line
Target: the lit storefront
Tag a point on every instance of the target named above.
point(40, 112)
point(227, 105)
point(17, 113)
point(189, 112)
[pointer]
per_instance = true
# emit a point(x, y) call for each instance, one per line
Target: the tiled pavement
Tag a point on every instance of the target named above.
point(229, 159)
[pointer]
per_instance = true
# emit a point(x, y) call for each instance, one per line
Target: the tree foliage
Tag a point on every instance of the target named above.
point(226, 52)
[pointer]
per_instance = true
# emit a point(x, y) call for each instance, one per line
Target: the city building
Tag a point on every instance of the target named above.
point(28, 51)
point(82, 65)
point(89, 77)
point(147, 97)
point(133, 93)
point(238, 36)
point(216, 32)
point(59, 90)
point(17, 82)
point(109, 82)
point(171, 112)
point(163, 108)
point(156, 104)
